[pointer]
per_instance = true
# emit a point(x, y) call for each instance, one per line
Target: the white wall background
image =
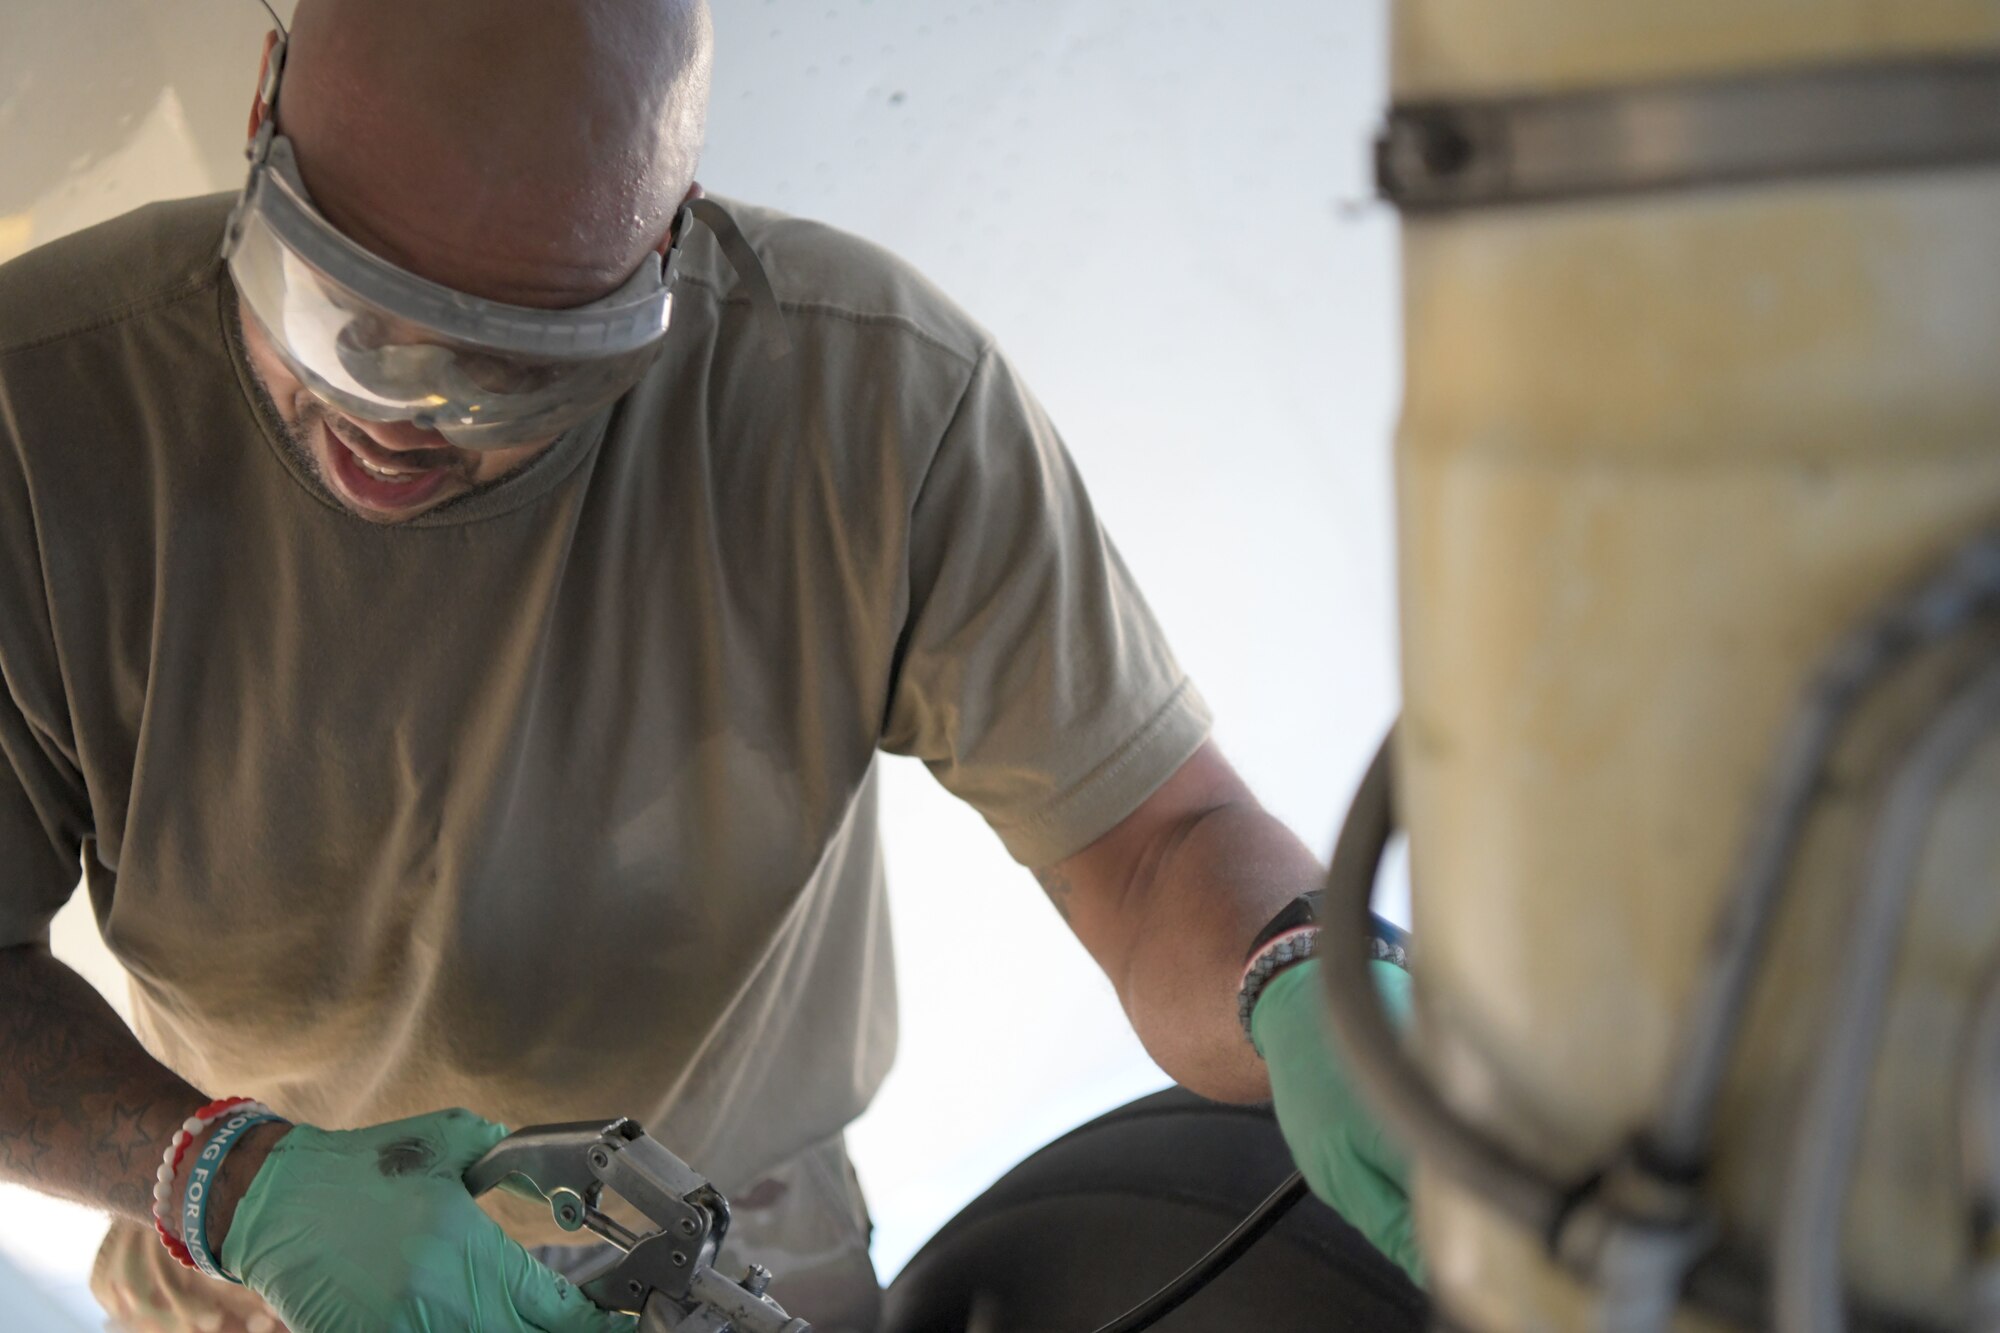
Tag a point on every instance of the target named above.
point(1160, 209)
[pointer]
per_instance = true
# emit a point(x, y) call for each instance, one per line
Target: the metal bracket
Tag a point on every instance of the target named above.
point(1439, 156)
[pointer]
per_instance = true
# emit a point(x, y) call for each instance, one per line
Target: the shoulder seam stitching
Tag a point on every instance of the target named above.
point(861, 317)
point(117, 315)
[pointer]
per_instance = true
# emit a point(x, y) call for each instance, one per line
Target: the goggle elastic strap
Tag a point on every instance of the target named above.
point(743, 259)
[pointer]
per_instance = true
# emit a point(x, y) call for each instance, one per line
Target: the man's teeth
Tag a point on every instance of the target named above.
point(403, 478)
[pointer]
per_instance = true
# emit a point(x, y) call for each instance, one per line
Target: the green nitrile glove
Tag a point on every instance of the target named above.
point(1334, 1138)
point(373, 1231)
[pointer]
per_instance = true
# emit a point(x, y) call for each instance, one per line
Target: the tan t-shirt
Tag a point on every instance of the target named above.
point(556, 803)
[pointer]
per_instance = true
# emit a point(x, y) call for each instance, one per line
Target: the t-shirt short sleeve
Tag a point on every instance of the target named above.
point(43, 808)
point(1032, 677)
point(39, 846)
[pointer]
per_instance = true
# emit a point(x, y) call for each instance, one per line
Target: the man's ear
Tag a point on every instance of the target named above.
point(257, 97)
point(667, 242)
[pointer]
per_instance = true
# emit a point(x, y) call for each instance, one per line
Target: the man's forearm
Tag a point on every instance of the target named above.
point(85, 1112)
point(1216, 883)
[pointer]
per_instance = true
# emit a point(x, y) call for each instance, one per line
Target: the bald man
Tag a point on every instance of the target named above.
point(451, 597)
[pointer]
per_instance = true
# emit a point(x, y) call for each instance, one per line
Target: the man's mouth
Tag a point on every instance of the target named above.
point(380, 482)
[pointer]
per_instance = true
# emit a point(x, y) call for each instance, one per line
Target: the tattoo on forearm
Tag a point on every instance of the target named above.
point(21, 1154)
point(84, 1111)
point(126, 1136)
point(1056, 884)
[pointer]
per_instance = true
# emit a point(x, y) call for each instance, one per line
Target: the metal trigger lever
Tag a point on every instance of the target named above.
point(666, 1275)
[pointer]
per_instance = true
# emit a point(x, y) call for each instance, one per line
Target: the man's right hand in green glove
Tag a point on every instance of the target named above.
point(373, 1231)
point(1336, 1141)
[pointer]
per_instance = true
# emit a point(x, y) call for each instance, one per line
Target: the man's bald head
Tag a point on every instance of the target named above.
point(529, 151)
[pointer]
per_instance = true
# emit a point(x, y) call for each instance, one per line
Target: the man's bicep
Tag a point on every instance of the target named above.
point(1102, 891)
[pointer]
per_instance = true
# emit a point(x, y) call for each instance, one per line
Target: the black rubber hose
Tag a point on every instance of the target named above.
point(1226, 1252)
point(1399, 1094)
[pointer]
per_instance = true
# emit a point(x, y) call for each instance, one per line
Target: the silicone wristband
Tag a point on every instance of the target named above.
point(172, 1182)
point(1288, 950)
point(200, 1187)
point(1289, 940)
point(170, 1167)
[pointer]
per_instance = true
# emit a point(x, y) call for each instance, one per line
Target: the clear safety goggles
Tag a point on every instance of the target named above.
point(379, 343)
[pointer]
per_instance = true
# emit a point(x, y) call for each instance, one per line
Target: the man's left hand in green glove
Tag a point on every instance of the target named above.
point(1338, 1144)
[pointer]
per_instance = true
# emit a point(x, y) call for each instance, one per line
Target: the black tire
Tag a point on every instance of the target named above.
point(1097, 1221)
